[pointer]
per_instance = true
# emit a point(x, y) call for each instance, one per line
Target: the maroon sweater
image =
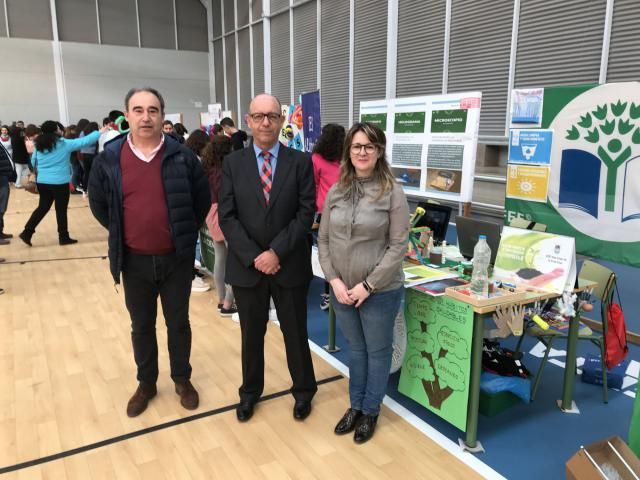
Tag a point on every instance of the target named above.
point(146, 218)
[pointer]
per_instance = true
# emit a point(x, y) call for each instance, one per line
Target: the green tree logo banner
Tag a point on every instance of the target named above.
point(613, 129)
point(594, 187)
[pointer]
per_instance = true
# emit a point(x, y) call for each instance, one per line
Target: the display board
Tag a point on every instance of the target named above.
point(437, 362)
point(431, 142)
point(544, 261)
point(588, 187)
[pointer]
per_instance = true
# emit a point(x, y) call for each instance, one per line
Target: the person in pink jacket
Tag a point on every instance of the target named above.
point(326, 168)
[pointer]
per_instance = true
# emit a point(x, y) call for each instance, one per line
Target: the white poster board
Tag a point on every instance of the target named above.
point(431, 142)
point(174, 117)
point(544, 261)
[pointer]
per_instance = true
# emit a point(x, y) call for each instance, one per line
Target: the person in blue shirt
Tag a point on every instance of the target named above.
point(50, 160)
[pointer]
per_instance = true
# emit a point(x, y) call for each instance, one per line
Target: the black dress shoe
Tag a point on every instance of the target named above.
point(4, 236)
point(301, 409)
point(244, 411)
point(348, 422)
point(364, 428)
point(25, 237)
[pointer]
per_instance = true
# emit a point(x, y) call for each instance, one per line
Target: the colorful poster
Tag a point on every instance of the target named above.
point(594, 194)
point(540, 260)
point(292, 133)
point(437, 362)
point(311, 123)
point(527, 182)
point(530, 146)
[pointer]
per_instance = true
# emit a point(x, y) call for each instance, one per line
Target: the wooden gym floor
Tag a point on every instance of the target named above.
point(67, 371)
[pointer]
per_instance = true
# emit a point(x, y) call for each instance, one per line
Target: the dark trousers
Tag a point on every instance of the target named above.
point(144, 278)
point(4, 200)
point(87, 161)
point(291, 306)
point(49, 194)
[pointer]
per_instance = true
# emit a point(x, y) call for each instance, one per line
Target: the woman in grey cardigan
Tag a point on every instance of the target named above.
point(362, 241)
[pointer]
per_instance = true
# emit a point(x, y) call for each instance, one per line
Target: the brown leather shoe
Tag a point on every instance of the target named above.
point(189, 398)
point(138, 403)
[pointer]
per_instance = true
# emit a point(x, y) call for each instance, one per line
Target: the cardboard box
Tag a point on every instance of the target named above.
point(592, 372)
point(598, 460)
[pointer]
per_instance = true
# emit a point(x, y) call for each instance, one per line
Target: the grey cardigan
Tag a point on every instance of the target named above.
point(364, 237)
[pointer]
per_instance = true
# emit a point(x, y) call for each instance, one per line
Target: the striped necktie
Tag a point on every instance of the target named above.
point(266, 175)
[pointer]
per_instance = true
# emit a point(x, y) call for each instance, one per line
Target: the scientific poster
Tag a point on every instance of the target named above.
point(431, 142)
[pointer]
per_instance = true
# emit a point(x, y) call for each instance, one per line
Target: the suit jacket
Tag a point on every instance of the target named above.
point(250, 226)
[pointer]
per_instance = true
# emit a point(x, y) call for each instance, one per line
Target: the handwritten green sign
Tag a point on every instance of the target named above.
point(438, 360)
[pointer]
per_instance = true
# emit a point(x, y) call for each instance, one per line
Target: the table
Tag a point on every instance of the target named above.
point(470, 442)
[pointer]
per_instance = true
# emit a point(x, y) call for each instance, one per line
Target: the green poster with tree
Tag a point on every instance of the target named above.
point(207, 253)
point(594, 187)
point(437, 362)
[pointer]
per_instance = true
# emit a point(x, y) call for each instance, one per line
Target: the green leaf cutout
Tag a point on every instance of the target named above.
point(593, 136)
point(573, 134)
point(608, 127)
point(624, 126)
point(618, 108)
point(601, 112)
point(585, 122)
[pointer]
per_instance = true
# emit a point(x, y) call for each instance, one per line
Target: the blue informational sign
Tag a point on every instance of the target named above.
point(311, 119)
point(532, 147)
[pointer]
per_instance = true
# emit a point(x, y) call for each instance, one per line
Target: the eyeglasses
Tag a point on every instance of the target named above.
point(357, 148)
point(259, 117)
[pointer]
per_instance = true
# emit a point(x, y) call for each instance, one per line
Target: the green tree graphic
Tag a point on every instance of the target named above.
point(612, 127)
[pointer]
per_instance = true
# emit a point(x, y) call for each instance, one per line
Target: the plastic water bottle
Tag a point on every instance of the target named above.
point(480, 275)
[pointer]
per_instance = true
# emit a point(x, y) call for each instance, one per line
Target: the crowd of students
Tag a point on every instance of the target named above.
point(261, 229)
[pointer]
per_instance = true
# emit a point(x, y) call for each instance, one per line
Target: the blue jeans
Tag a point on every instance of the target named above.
point(369, 332)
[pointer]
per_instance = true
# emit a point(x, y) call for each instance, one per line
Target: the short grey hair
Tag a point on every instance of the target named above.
point(135, 90)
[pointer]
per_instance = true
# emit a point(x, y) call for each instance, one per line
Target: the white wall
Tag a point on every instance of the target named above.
point(96, 79)
point(27, 81)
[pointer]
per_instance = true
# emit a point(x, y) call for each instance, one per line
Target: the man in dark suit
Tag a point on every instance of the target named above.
point(266, 207)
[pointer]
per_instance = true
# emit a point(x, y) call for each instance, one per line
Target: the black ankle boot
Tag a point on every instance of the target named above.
point(67, 240)
point(25, 237)
point(365, 427)
point(348, 421)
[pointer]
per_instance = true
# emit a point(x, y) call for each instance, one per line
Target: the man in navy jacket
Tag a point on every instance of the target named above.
point(152, 195)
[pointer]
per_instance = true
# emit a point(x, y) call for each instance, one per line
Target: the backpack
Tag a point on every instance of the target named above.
point(616, 347)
